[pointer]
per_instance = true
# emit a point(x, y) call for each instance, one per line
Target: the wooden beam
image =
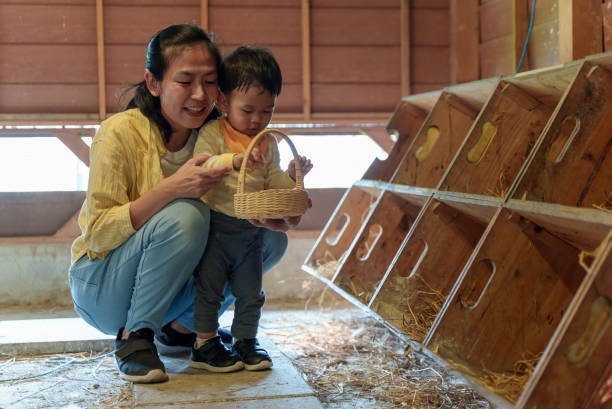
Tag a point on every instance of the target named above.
point(76, 145)
point(580, 29)
point(520, 24)
point(464, 41)
point(405, 46)
point(101, 73)
point(306, 81)
point(204, 14)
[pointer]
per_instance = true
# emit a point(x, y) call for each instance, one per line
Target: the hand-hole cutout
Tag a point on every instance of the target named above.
point(367, 245)
point(342, 222)
point(567, 132)
point(433, 132)
point(413, 257)
point(489, 129)
point(476, 283)
point(580, 351)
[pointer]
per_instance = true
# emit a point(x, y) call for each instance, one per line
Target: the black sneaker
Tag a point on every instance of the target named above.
point(171, 341)
point(214, 356)
point(255, 358)
point(137, 358)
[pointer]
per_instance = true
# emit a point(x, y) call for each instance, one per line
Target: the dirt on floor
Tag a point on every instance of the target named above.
point(347, 357)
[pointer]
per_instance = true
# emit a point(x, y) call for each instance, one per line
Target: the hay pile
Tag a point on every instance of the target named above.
point(360, 363)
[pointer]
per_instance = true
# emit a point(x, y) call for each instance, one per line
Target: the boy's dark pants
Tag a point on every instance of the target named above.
point(233, 254)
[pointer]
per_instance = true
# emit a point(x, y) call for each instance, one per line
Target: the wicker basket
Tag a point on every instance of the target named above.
point(270, 203)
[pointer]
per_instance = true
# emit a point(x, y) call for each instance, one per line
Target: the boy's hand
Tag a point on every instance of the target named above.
point(305, 164)
point(256, 160)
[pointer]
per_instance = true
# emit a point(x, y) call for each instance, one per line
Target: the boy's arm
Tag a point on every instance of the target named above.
point(210, 141)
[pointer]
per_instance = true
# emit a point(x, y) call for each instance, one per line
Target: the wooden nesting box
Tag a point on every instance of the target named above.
point(428, 264)
point(573, 163)
point(491, 244)
point(377, 243)
point(498, 145)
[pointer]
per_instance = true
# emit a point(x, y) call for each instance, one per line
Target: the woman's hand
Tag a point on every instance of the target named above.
point(284, 224)
point(192, 180)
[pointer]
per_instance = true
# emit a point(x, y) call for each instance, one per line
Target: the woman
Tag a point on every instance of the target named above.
point(143, 227)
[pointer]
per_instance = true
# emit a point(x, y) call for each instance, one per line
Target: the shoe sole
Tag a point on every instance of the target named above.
point(154, 376)
point(220, 369)
point(258, 367)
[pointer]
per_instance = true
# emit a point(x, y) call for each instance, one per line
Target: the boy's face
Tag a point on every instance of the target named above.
point(249, 111)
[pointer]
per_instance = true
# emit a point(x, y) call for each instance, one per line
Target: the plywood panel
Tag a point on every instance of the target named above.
point(48, 64)
point(429, 27)
point(429, 4)
point(583, 175)
point(335, 239)
point(356, 64)
point(436, 143)
point(518, 303)
point(377, 244)
point(48, 24)
point(607, 25)
point(511, 123)
point(430, 65)
point(578, 361)
point(405, 123)
point(354, 97)
point(426, 269)
point(25, 98)
point(349, 27)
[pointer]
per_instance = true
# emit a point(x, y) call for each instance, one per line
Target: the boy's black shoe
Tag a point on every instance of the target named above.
point(255, 358)
point(214, 356)
point(171, 341)
point(137, 358)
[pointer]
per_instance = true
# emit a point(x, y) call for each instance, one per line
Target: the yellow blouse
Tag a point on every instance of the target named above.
point(124, 164)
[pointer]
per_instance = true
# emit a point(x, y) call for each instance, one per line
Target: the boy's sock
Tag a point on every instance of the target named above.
point(201, 341)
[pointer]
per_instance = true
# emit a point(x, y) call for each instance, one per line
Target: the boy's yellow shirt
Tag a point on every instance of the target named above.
point(211, 140)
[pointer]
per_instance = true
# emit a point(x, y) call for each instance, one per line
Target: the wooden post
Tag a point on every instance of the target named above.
point(306, 85)
point(520, 25)
point(204, 14)
point(580, 29)
point(101, 73)
point(405, 46)
point(464, 56)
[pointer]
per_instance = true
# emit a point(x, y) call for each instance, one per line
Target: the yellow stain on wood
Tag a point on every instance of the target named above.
point(579, 352)
point(424, 150)
point(489, 129)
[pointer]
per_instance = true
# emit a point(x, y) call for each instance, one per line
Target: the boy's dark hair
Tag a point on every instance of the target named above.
point(248, 65)
point(164, 46)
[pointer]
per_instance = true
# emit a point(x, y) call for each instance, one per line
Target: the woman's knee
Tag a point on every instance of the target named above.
point(274, 245)
point(187, 221)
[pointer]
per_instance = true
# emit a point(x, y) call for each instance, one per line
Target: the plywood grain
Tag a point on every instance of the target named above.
point(394, 216)
point(453, 119)
point(519, 119)
point(583, 177)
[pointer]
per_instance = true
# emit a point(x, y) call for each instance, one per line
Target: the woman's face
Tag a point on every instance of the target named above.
point(188, 90)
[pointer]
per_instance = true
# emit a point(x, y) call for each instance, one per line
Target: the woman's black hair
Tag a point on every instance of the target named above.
point(248, 65)
point(175, 36)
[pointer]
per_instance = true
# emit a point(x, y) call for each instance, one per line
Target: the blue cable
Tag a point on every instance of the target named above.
point(528, 35)
point(62, 361)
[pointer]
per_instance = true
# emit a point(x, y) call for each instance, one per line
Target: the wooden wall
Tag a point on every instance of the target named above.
point(49, 54)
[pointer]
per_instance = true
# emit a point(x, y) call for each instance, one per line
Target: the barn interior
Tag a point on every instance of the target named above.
point(458, 251)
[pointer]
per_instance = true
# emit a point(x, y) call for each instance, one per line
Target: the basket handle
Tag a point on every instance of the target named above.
point(299, 178)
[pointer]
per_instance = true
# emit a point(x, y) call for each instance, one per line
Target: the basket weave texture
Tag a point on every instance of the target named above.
point(270, 203)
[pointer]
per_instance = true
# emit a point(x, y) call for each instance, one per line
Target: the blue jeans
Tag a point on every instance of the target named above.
point(148, 282)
